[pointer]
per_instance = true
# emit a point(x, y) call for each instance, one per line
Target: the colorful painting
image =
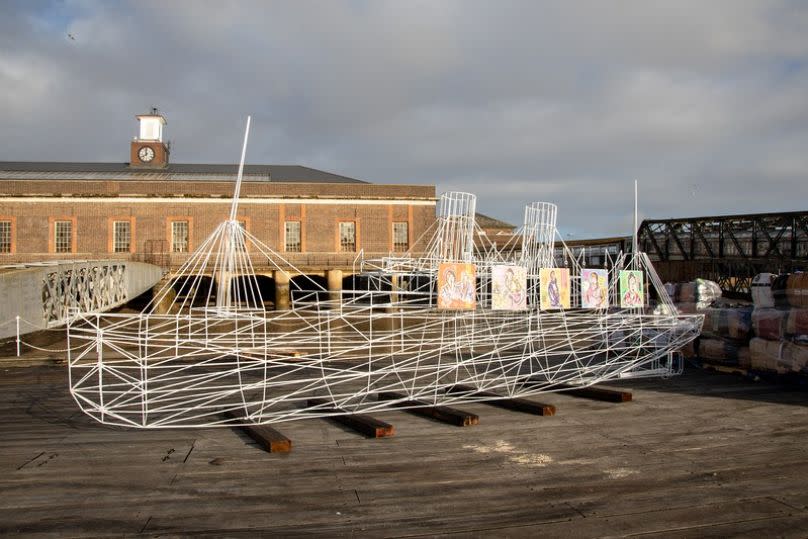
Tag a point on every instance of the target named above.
point(508, 288)
point(631, 289)
point(594, 288)
point(457, 286)
point(555, 288)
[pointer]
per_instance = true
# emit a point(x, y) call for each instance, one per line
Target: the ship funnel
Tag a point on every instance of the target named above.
point(538, 235)
point(454, 240)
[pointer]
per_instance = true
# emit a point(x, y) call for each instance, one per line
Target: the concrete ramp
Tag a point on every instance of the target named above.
point(45, 294)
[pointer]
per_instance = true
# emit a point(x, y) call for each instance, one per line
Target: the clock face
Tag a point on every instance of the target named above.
point(145, 154)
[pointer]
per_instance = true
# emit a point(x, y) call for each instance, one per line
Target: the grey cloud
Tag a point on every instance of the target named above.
point(703, 103)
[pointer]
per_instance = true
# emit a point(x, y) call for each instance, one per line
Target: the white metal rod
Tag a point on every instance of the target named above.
point(634, 235)
point(237, 192)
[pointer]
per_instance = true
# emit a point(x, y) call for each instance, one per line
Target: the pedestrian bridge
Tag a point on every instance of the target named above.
point(43, 294)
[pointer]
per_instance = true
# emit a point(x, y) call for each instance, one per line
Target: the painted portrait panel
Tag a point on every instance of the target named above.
point(457, 286)
point(555, 288)
point(508, 288)
point(594, 288)
point(632, 289)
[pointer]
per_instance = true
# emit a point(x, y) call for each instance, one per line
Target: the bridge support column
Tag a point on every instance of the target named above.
point(334, 277)
point(281, 291)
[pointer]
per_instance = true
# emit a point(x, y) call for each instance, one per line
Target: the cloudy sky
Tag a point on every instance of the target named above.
point(704, 103)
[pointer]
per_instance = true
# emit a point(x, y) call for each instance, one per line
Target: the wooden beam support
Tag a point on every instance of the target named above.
point(361, 423)
point(597, 393)
point(269, 439)
point(511, 403)
point(446, 414)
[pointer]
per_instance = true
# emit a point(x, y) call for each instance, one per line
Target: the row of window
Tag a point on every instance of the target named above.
point(181, 231)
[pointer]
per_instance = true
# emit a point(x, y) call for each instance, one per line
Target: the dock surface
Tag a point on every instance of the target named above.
point(704, 454)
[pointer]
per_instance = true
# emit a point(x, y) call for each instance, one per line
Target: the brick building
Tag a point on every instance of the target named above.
point(156, 211)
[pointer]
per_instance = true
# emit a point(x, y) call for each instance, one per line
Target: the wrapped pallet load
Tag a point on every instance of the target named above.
point(762, 295)
point(778, 356)
point(687, 293)
point(764, 355)
point(781, 333)
point(770, 324)
point(797, 290)
point(690, 350)
point(686, 308)
point(707, 292)
point(672, 289)
point(735, 323)
point(724, 351)
point(779, 285)
point(694, 296)
point(797, 325)
point(796, 357)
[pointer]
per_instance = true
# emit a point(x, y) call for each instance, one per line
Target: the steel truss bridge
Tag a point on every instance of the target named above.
point(730, 249)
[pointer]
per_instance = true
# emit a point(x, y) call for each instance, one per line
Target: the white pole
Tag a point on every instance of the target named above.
point(223, 299)
point(18, 335)
point(634, 241)
point(234, 207)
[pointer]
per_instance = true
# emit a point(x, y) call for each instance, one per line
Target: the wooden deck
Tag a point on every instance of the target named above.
point(705, 455)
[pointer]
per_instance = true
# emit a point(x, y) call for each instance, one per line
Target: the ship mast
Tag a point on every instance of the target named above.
point(634, 243)
point(237, 191)
point(232, 238)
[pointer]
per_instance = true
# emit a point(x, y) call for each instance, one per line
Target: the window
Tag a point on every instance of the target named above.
point(5, 236)
point(179, 236)
point(63, 236)
point(347, 236)
point(401, 237)
point(121, 236)
point(292, 237)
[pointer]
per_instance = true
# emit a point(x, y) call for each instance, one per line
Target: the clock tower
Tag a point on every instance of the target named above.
point(148, 148)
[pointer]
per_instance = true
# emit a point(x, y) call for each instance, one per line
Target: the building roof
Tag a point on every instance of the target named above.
point(172, 171)
point(485, 221)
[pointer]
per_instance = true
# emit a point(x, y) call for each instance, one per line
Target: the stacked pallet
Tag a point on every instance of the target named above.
point(684, 296)
point(727, 327)
point(725, 335)
point(780, 323)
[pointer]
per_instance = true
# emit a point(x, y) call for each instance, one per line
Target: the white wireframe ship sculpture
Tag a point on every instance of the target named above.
point(219, 357)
